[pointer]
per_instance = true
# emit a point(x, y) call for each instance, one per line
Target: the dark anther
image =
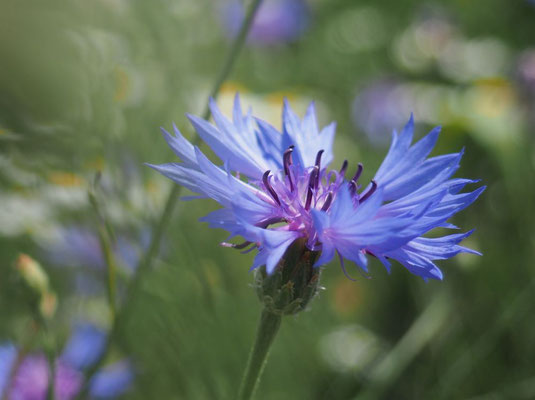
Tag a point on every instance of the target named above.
point(287, 161)
point(314, 178)
point(344, 168)
point(328, 202)
point(318, 164)
point(318, 159)
point(357, 174)
point(369, 192)
point(309, 198)
point(265, 179)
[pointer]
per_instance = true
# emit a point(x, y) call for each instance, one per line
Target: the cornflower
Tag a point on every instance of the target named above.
point(276, 189)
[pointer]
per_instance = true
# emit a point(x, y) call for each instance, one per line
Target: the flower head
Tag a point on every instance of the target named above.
point(276, 187)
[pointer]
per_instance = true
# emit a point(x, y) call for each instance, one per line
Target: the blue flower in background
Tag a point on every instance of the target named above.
point(27, 378)
point(376, 109)
point(277, 21)
point(75, 246)
point(275, 187)
point(80, 246)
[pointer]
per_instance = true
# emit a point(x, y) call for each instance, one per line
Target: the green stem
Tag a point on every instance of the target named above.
point(111, 268)
point(50, 393)
point(145, 263)
point(266, 332)
point(105, 235)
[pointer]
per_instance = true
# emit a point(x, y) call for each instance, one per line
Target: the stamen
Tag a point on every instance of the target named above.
point(265, 179)
point(344, 168)
point(238, 246)
point(332, 176)
point(253, 246)
point(318, 158)
point(357, 174)
point(328, 202)
point(369, 192)
point(287, 161)
point(314, 178)
point(309, 198)
point(352, 187)
point(318, 164)
point(265, 223)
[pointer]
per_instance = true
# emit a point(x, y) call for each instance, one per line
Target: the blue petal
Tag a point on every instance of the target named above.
point(206, 179)
point(419, 177)
point(238, 143)
point(271, 144)
point(306, 138)
point(84, 346)
point(225, 149)
point(411, 159)
point(272, 244)
point(327, 254)
point(182, 147)
point(8, 355)
point(399, 146)
point(417, 264)
point(112, 381)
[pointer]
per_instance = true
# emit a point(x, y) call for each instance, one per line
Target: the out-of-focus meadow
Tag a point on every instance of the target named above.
point(85, 87)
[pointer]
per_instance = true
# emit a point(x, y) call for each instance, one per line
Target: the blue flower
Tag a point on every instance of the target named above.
point(79, 246)
point(277, 21)
point(28, 378)
point(275, 187)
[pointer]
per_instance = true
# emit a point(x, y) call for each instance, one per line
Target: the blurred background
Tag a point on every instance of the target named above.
point(84, 88)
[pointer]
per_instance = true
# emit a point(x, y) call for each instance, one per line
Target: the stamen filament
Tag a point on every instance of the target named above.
point(287, 161)
point(328, 202)
point(352, 187)
point(357, 174)
point(344, 168)
point(265, 179)
point(314, 178)
point(318, 164)
point(369, 192)
point(309, 198)
point(318, 159)
point(237, 246)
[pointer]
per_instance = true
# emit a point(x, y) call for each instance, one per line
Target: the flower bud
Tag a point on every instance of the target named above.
point(35, 278)
point(48, 304)
point(292, 285)
point(32, 273)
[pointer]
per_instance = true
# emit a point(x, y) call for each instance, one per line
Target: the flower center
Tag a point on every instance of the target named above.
point(296, 190)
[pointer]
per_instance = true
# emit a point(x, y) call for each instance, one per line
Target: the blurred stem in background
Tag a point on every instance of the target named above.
point(515, 307)
point(420, 334)
point(106, 238)
point(145, 263)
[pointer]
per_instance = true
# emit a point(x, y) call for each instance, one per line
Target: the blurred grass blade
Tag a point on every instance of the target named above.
point(422, 331)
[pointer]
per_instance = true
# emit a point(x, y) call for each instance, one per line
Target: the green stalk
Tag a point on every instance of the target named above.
point(111, 267)
point(267, 330)
point(50, 393)
point(146, 262)
point(105, 235)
